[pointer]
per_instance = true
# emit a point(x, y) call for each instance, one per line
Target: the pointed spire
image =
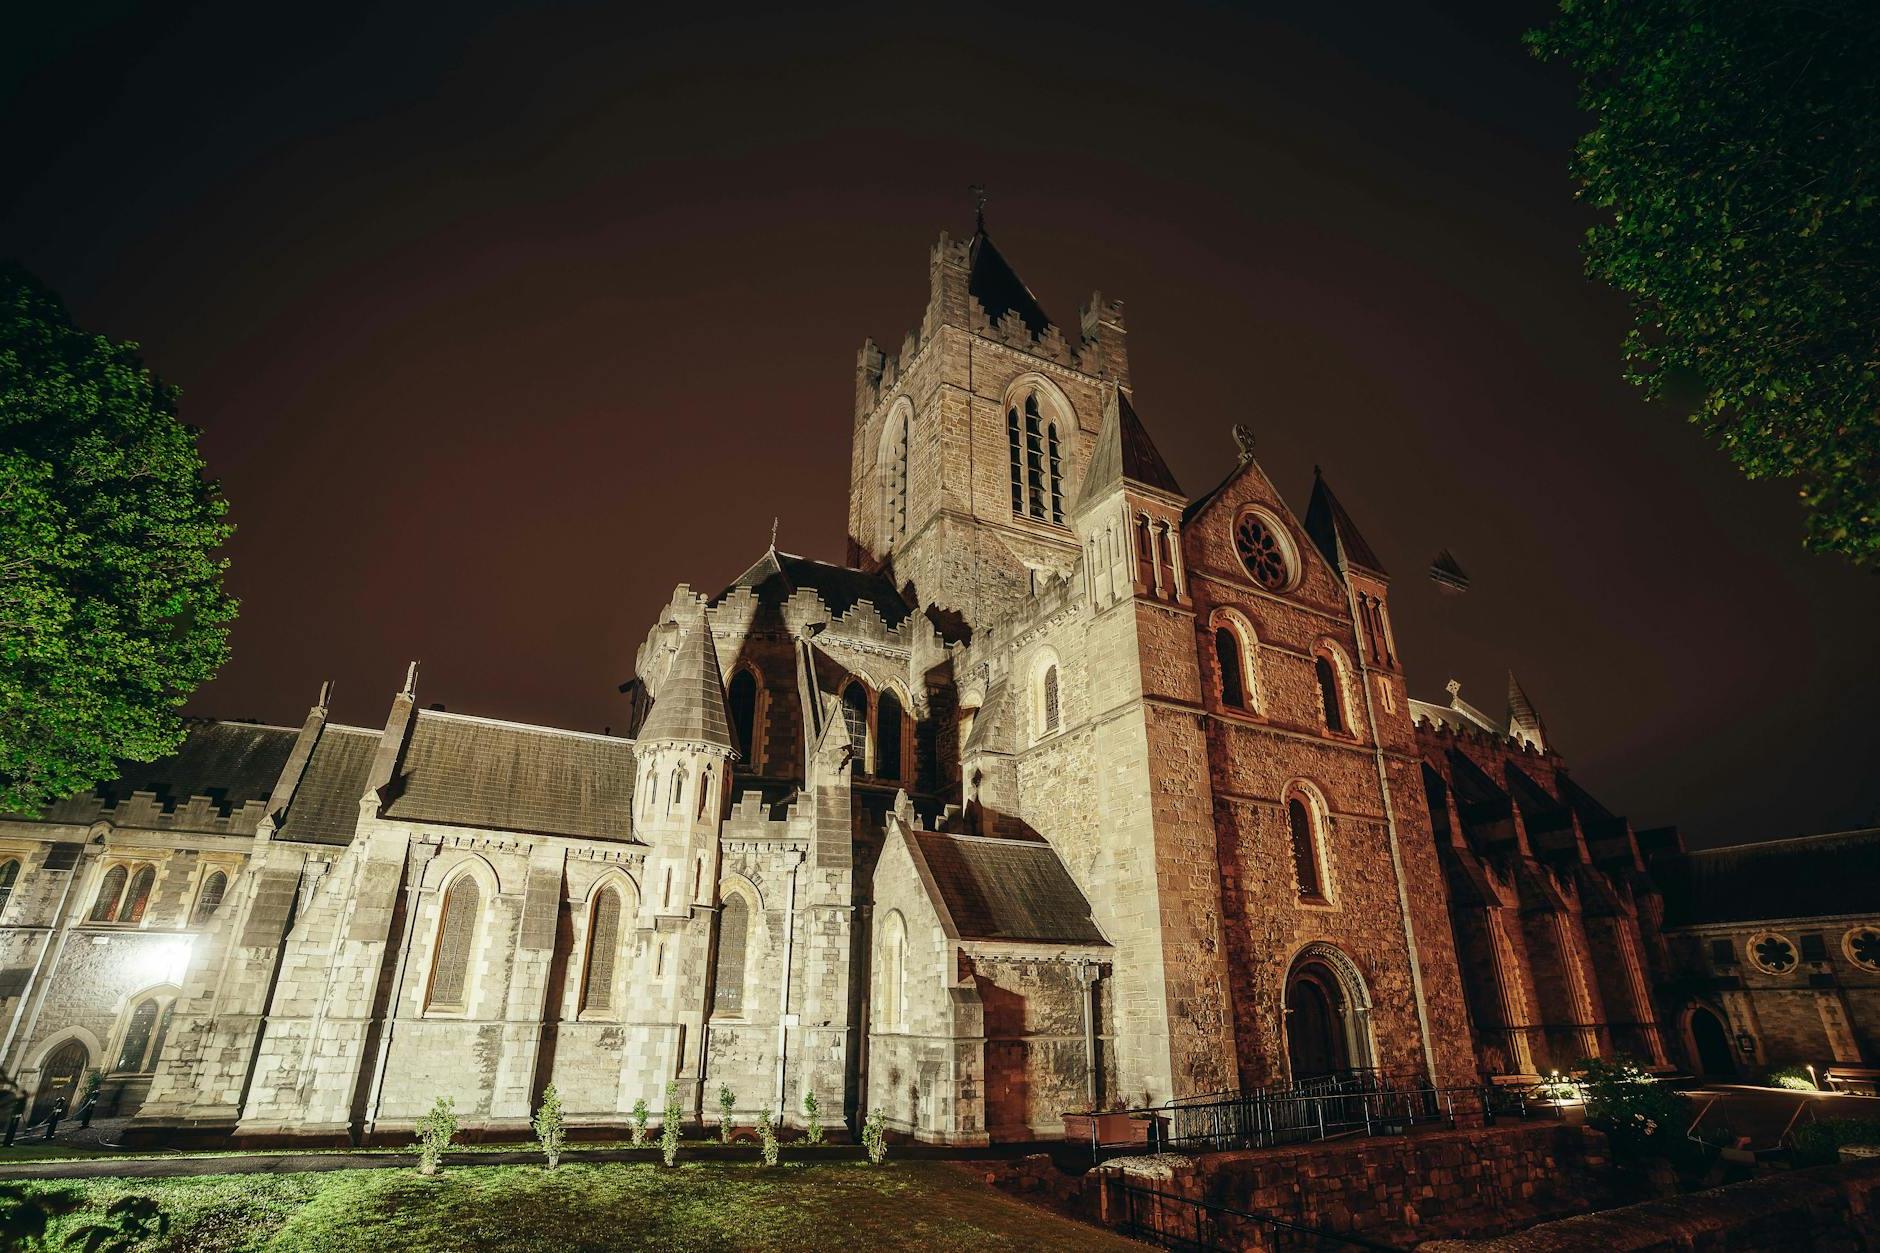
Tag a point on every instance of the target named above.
point(1332, 530)
point(1123, 453)
point(690, 707)
point(991, 281)
point(1523, 722)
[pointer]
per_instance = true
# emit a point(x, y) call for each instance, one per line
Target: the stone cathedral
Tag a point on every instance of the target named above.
point(1068, 789)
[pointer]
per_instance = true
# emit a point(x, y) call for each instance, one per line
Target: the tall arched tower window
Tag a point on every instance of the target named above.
point(734, 927)
point(1331, 703)
point(1305, 849)
point(138, 897)
point(1037, 461)
point(1048, 700)
point(675, 797)
point(855, 715)
point(893, 464)
point(741, 697)
point(597, 981)
point(456, 929)
point(888, 736)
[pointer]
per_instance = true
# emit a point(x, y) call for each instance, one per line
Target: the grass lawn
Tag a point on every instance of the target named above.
point(701, 1206)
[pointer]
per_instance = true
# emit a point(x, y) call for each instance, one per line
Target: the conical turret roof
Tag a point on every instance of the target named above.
point(1123, 453)
point(690, 707)
point(1523, 720)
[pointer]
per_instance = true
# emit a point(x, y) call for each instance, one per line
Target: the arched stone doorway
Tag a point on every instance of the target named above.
point(64, 1069)
point(1711, 1041)
point(1328, 1028)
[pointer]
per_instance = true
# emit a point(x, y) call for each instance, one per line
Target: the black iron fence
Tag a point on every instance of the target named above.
point(1179, 1222)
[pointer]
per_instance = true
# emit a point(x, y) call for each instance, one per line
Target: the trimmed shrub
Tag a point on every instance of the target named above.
point(726, 1099)
point(640, 1115)
point(811, 1110)
point(1819, 1143)
point(1794, 1078)
point(669, 1129)
point(767, 1135)
point(436, 1130)
point(549, 1131)
point(875, 1136)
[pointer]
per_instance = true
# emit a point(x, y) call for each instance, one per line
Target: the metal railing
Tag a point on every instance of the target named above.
point(1265, 1119)
point(1179, 1222)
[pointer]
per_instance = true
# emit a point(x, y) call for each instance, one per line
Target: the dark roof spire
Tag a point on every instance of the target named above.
point(690, 707)
point(1523, 722)
point(997, 287)
point(1123, 453)
point(1331, 528)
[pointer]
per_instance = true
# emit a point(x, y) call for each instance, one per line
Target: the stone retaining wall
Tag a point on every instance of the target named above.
point(1394, 1189)
point(1830, 1207)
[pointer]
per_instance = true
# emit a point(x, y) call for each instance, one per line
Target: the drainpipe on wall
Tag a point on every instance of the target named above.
point(783, 1001)
point(1390, 826)
point(417, 865)
point(1088, 974)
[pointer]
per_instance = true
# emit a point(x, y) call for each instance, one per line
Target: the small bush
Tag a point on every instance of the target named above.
point(1819, 1143)
point(669, 1129)
point(726, 1099)
point(814, 1132)
point(436, 1130)
point(549, 1131)
point(640, 1115)
point(767, 1135)
point(875, 1136)
point(1794, 1078)
point(1641, 1117)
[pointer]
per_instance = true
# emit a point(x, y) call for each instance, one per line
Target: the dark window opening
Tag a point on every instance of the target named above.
point(1227, 654)
point(1305, 849)
point(1328, 695)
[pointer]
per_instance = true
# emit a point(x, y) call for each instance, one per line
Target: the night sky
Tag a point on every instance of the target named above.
point(499, 324)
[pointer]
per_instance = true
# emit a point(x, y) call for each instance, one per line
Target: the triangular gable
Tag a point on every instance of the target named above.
point(1207, 529)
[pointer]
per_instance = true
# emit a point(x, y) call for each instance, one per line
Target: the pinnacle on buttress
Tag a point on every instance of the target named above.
point(1123, 453)
point(690, 707)
point(1523, 722)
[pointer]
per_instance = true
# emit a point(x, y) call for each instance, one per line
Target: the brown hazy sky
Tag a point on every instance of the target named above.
point(499, 323)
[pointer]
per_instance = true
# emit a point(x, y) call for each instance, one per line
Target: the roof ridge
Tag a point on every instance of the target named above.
point(541, 728)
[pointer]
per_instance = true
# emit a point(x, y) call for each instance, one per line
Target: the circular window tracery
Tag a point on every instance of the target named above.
point(1262, 552)
point(1862, 946)
point(1771, 953)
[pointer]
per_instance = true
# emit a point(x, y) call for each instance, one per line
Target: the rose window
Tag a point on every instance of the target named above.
point(1863, 946)
point(1261, 552)
point(1772, 954)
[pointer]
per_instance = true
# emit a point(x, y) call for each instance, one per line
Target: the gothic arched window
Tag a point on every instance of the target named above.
point(9, 875)
point(456, 929)
point(734, 926)
point(1227, 649)
point(1037, 462)
point(855, 715)
point(1305, 849)
point(597, 981)
point(888, 736)
point(1048, 700)
point(675, 796)
point(143, 1025)
point(704, 792)
point(741, 696)
point(1145, 554)
point(105, 908)
point(894, 473)
point(891, 981)
point(138, 897)
point(214, 888)
point(1332, 705)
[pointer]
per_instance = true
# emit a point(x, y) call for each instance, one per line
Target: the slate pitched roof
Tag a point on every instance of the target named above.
point(1016, 890)
point(776, 576)
point(1816, 876)
point(324, 808)
point(995, 284)
point(690, 706)
point(1327, 523)
point(476, 772)
point(231, 762)
point(1124, 453)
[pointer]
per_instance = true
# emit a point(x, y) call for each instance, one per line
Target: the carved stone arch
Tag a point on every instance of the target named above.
point(52, 1042)
point(893, 463)
point(451, 960)
point(1350, 698)
point(734, 881)
point(163, 996)
point(443, 868)
point(1319, 815)
point(888, 986)
point(1053, 402)
point(1327, 1006)
point(613, 876)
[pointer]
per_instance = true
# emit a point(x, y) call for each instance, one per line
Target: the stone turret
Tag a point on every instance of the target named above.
point(686, 748)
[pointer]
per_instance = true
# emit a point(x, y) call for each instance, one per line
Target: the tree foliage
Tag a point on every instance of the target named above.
point(1734, 156)
point(111, 603)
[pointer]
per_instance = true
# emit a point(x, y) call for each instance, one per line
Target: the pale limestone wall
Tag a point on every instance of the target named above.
point(1037, 1055)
